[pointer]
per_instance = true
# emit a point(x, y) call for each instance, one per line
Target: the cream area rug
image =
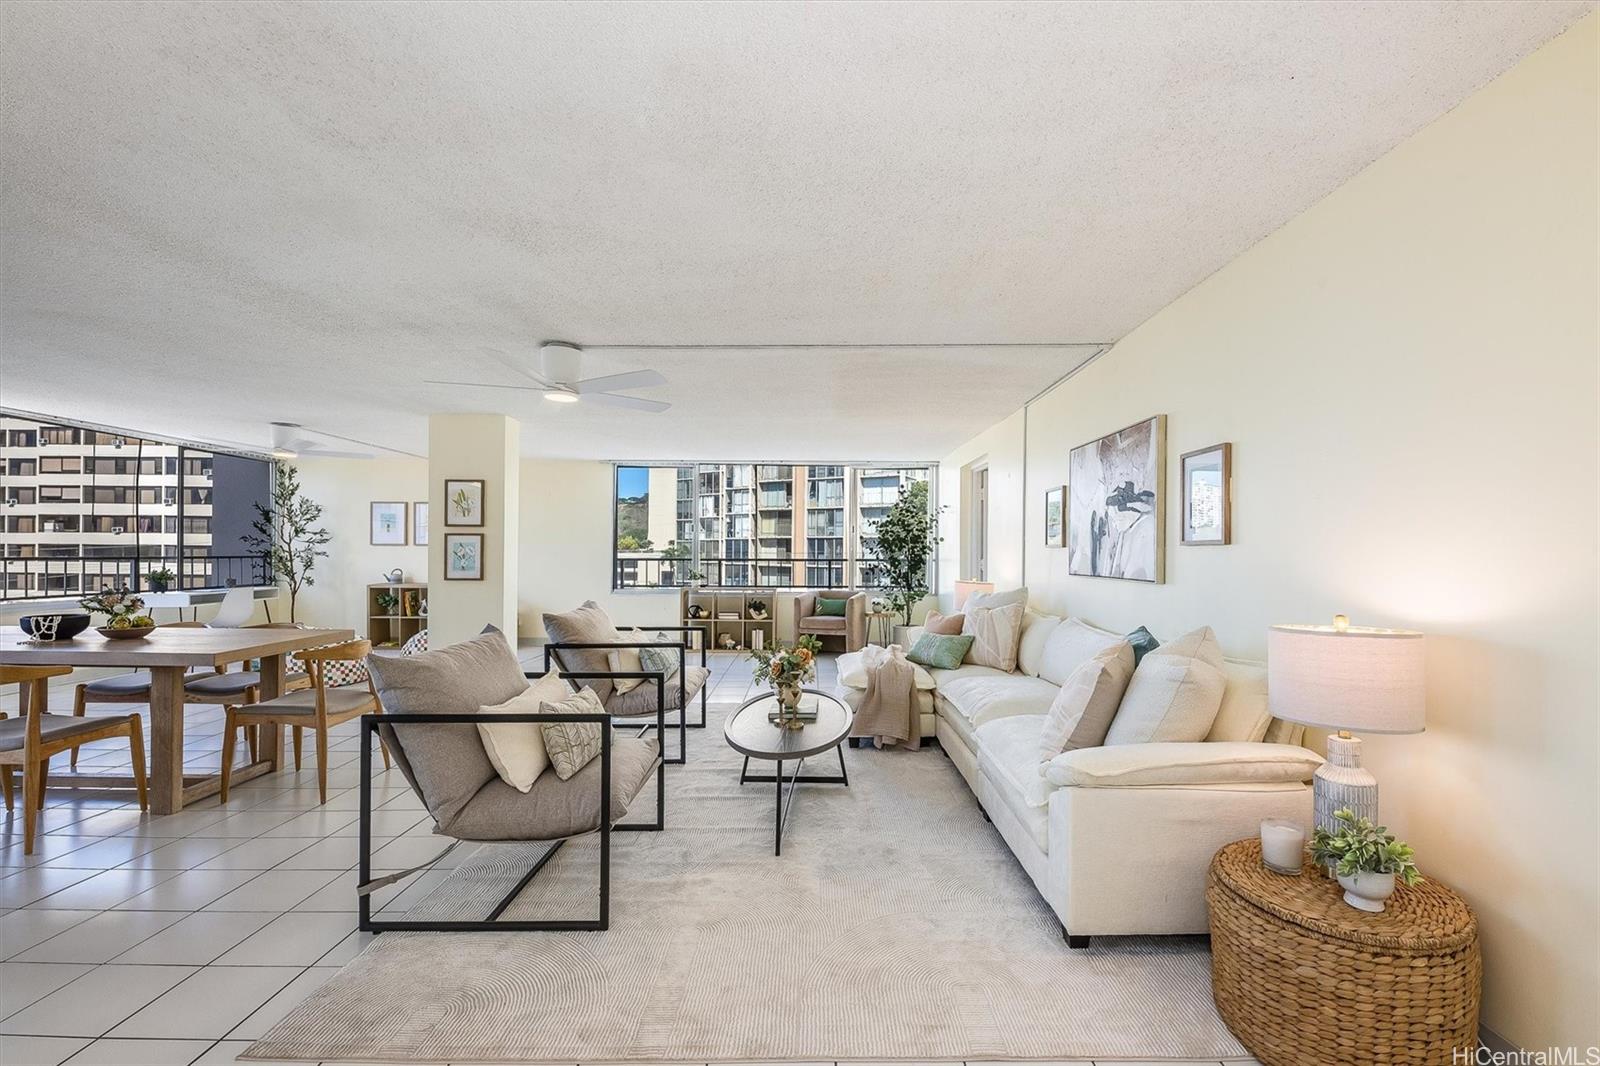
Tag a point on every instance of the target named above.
point(896, 925)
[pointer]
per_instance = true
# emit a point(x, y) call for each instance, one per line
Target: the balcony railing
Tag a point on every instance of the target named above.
point(71, 576)
point(637, 571)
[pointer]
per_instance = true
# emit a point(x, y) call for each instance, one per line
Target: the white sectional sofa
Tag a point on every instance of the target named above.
point(1118, 839)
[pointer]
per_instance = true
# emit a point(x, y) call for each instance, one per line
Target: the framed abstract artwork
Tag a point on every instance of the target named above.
point(463, 557)
point(463, 502)
point(419, 522)
point(1115, 513)
point(1208, 495)
point(388, 522)
point(1055, 518)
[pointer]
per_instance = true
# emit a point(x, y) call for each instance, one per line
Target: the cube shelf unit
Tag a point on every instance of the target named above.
point(742, 629)
point(392, 628)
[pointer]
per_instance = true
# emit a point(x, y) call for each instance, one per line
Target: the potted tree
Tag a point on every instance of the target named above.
point(901, 548)
point(287, 535)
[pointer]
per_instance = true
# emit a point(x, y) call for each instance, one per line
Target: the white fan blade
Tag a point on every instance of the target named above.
point(517, 366)
point(633, 379)
point(307, 446)
point(611, 399)
point(487, 385)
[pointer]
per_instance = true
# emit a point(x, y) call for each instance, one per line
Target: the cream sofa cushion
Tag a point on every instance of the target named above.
point(1084, 707)
point(981, 694)
point(1036, 630)
point(626, 660)
point(1200, 763)
point(1175, 693)
point(1243, 714)
point(995, 633)
point(852, 668)
point(1008, 752)
point(1070, 645)
point(517, 748)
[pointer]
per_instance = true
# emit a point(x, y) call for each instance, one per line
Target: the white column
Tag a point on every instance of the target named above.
point(483, 448)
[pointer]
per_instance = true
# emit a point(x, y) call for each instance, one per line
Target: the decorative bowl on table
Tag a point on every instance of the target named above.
point(65, 627)
point(125, 632)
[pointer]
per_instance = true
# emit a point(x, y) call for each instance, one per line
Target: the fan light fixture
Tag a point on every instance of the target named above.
point(561, 396)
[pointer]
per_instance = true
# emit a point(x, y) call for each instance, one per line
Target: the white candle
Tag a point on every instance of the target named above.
point(1282, 845)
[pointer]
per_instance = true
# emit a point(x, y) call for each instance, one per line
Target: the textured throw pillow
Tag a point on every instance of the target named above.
point(995, 633)
point(589, 624)
point(947, 625)
point(517, 748)
point(1083, 709)
point(1144, 642)
point(447, 762)
point(1174, 694)
point(830, 608)
point(626, 660)
point(996, 599)
point(572, 745)
point(663, 659)
point(938, 651)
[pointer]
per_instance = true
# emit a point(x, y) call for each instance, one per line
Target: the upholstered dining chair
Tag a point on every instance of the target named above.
point(315, 708)
point(31, 739)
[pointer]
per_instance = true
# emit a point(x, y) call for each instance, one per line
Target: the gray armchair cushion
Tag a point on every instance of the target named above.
point(642, 700)
point(554, 809)
point(589, 624)
point(447, 763)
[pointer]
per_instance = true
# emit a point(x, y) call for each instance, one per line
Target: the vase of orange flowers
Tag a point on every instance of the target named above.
point(787, 668)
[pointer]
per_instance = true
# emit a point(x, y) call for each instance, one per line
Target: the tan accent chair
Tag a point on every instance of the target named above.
point(30, 741)
point(852, 628)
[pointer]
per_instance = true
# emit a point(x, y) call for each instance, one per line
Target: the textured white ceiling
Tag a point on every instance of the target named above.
point(216, 215)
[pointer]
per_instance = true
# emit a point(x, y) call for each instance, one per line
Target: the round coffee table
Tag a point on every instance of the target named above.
point(749, 733)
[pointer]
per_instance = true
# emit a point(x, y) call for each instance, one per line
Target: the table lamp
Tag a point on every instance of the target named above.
point(1350, 679)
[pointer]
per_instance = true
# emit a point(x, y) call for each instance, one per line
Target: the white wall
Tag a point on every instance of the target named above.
point(1001, 447)
point(1408, 375)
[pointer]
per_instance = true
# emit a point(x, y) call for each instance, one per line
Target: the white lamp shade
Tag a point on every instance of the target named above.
point(1356, 678)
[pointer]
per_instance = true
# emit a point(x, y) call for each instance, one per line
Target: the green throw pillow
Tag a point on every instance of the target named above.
point(939, 651)
point(827, 608)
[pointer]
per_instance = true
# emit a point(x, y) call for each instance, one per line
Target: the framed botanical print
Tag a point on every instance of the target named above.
point(463, 502)
point(388, 522)
point(1208, 495)
point(463, 556)
point(419, 522)
point(1055, 518)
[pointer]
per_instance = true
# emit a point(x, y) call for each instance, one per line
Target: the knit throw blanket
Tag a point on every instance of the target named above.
point(888, 711)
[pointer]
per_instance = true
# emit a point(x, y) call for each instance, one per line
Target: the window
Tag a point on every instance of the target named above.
point(800, 525)
point(60, 464)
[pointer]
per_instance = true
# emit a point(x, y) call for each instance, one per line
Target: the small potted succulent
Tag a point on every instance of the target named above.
point(161, 579)
point(1366, 858)
point(757, 609)
point(127, 618)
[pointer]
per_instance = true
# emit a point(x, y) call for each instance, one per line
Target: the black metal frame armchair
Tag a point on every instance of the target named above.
point(552, 657)
point(366, 885)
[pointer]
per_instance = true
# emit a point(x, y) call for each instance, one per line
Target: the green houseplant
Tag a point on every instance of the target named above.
point(287, 534)
point(901, 548)
point(160, 579)
point(1366, 858)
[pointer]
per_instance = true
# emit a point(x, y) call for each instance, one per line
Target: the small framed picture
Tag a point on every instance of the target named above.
point(419, 522)
point(388, 522)
point(463, 557)
point(463, 502)
point(1055, 522)
point(1208, 495)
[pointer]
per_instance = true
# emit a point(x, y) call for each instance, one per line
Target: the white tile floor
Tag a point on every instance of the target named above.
point(133, 939)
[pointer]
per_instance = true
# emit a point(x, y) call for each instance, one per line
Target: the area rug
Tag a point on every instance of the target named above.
point(896, 925)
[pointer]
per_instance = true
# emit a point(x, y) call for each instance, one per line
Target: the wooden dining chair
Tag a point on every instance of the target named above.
point(32, 738)
point(315, 708)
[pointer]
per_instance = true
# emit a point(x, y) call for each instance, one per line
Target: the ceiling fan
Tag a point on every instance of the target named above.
point(291, 440)
point(557, 378)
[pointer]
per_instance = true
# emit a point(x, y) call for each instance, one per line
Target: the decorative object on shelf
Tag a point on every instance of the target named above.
point(902, 548)
point(1116, 513)
point(1348, 678)
point(388, 603)
point(419, 523)
point(463, 502)
point(757, 609)
point(463, 557)
point(787, 667)
point(388, 522)
point(1207, 516)
point(1366, 858)
point(1300, 977)
point(287, 533)
point(396, 576)
point(160, 579)
point(422, 608)
point(48, 628)
point(696, 612)
point(1055, 517)
point(126, 616)
point(728, 643)
point(758, 639)
point(1283, 846)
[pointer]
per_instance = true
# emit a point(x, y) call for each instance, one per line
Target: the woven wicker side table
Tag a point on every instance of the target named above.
point(1301, 977)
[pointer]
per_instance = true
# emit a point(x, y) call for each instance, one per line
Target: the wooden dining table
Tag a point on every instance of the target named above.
point(168, 654)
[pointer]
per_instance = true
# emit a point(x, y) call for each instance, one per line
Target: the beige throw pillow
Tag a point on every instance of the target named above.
point(995, 633)
point(626, 660)
point(945, 625)
point(517, 748)
point(572, 745)
point(1084, 708)
point(1175, 693)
